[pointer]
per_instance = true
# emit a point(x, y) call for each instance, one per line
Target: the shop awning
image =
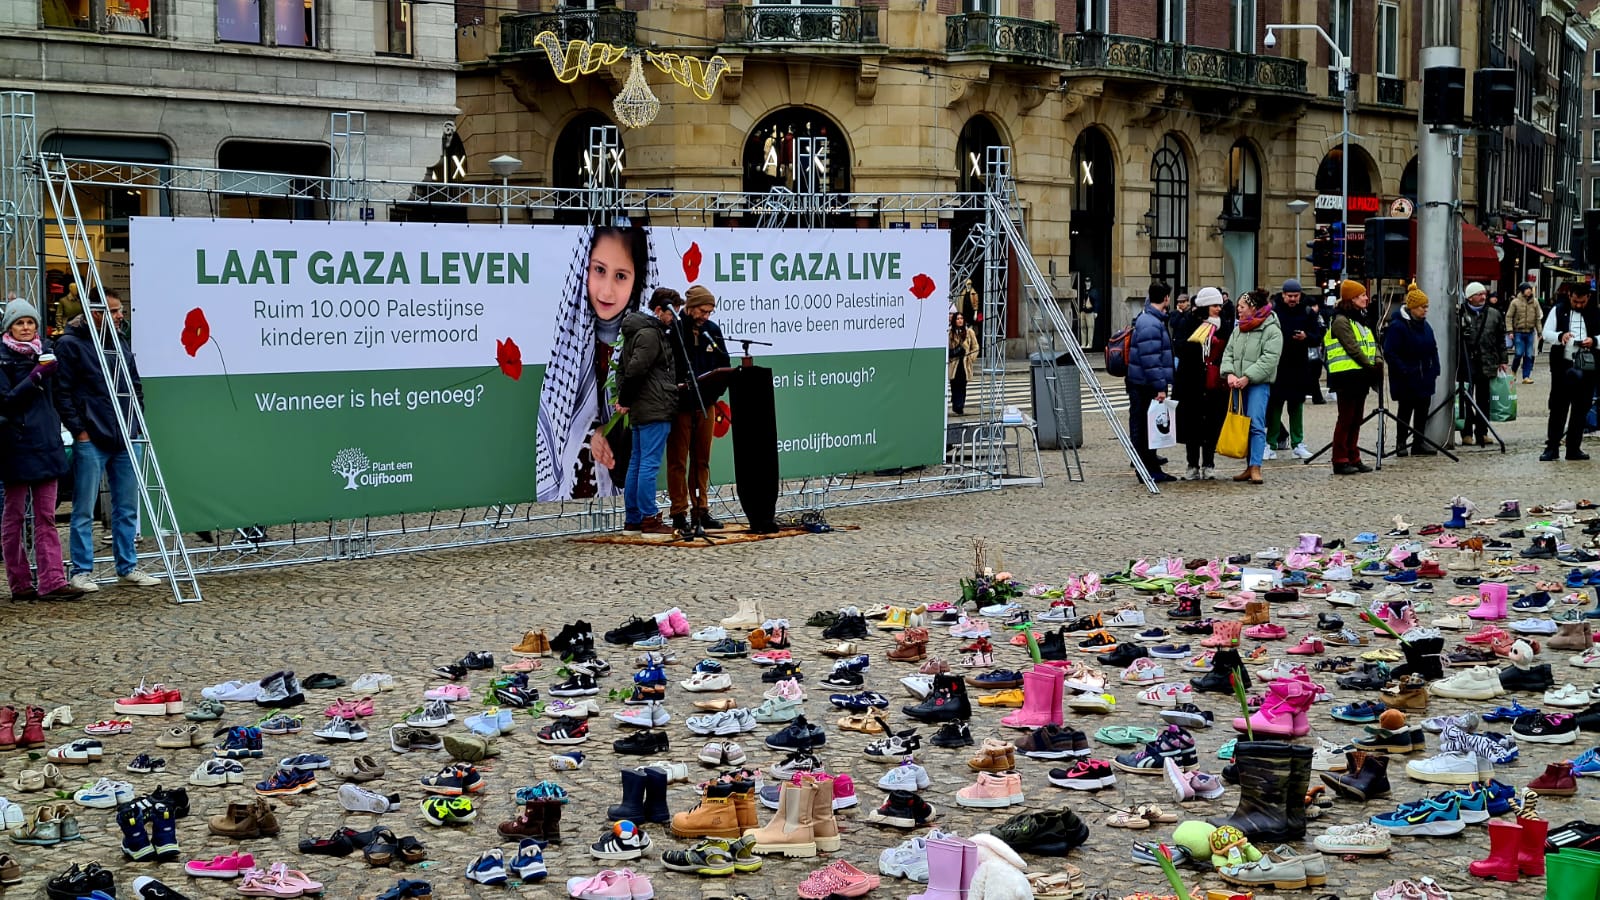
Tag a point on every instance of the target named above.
point(1568, 272)
point(1479, 261)
point(1549, 254)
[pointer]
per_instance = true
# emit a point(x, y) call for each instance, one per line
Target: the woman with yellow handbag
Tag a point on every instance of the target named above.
point(1250, 363)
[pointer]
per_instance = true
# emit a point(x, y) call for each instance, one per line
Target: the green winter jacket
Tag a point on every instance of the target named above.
point(1254, 354)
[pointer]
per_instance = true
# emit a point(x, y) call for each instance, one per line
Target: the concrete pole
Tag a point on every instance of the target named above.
point(1438, 214)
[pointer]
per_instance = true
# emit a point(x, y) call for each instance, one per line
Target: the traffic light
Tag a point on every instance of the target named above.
point(1321, 251)
point(1336, 240)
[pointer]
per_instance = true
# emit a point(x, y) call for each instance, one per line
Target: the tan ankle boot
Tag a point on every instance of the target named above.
point(744, 805)
point(994, 756)
point(1257, 612)
point(789, 831)
point(910, 651)
point(713, 817)
point(1572, 636)
point(824, 827)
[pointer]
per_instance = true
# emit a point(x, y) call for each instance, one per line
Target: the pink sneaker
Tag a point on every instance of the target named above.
point(1309, 645)
point(992, 791)
point(523, 664)
point(844, 791)
point(231, 865)
point(771, 657)
point(837, 878)
point(351, 709)
point(1267, 631)
point(1488, 634)
point(607, 884)
point(787, 689)
point(449, 693)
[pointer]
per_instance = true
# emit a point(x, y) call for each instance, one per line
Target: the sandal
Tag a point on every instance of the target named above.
point(1124, 819)
point(865, 723)
point(381, 849)
point(1124, 735)
point(411, 850)
point(1155, 815)
point(1066, 885)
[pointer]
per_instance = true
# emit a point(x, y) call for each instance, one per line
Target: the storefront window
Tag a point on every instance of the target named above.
point(109, 16)
point(296, 23)
point(393, 27)
point(66, 14)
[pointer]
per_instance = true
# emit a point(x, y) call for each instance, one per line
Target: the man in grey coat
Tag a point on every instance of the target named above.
point(1483, 356)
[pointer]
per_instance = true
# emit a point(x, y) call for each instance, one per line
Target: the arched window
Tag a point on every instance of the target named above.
point(1169, 233)
point(977, 136)
point(1242, 205)
point(799, 149)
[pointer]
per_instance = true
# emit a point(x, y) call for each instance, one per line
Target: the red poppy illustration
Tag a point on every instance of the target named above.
point(691, 263)
point(196, 331)
point(508, 356)
point(922, 286)
point(723, 419)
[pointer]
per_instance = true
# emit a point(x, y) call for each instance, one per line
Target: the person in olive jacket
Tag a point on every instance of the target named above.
point(1250, 363)
point(1413, 354)
point(1483, 349)
point(32, 457)
point(648, 393)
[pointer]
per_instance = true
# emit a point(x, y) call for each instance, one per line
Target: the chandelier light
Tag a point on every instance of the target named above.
point(636, 106)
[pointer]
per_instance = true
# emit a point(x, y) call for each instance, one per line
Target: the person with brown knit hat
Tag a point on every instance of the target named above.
point(693, 427)
point(1355, 366)
point(1413, 355)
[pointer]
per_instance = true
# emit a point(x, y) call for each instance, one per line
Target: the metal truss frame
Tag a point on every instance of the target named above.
point(976, 464)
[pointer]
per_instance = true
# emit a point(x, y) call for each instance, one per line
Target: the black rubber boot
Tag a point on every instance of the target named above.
point(1366, 776)
point(1225, 663)
point(1268, 793)
point(632, 806)
point(1423, 658)
point(655, 797)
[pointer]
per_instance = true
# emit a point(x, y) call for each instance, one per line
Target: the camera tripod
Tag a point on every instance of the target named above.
point(1462, 393)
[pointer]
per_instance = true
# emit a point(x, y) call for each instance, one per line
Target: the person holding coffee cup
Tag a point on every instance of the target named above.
point(32, 458)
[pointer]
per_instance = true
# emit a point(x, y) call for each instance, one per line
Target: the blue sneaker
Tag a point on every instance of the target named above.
point(1429, 817)
point(1508, 713)
point(488, 868)
point(1295, 578)
point(563, 762)
point(1404, 576)
point(650, 675)
point(1374, 567)
point(1366, 537)
point(528, 864)
point(858, 663)
point(1587, 762)
point(1538, 601)
point(708, 665)
point(1360, 712)
point(999, 678)
point(1170, 651)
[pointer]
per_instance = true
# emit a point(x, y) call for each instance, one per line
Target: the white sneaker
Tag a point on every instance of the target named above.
point(358, 799)
point(650, 715)
point(242, 691)
point(1126, 618)
point(84, 581)
point(217, 772)
point(1269, 453)
point(371, 683)
point(1301, 451)
point(138, 578)
point(1447, 768)
point(908, 776)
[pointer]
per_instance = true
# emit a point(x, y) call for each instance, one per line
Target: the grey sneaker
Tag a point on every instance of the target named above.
point(404, 738)
point(341, 729)
point(434, 714)
point(138, 578)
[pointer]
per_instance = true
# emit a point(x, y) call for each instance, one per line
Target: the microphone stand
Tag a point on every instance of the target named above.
point(1461, 394)
point(695, 530)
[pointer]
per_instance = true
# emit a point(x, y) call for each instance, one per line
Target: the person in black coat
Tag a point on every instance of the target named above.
point(1297, 370)
point(32, 456)
point(1197, 383)
point(1412, 351)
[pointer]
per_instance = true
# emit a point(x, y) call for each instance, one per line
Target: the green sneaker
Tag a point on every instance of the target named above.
point(448, 810)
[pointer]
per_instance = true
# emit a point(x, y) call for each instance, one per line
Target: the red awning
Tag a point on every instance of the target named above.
point(1539, 250)
point(1479, 261)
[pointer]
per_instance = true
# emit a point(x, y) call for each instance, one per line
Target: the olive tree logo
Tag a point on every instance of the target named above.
point(350, 463)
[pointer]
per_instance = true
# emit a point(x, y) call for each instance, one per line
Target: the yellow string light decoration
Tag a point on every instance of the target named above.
point(578, 57)
point(700, 77)
point(637, 105)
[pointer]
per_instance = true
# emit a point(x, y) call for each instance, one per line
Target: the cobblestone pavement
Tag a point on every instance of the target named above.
point(404, 615)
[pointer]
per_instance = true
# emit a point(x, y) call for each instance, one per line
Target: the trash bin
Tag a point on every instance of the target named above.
point(1071, 400)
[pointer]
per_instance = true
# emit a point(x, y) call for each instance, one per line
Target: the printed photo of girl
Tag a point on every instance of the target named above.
point(582, 447)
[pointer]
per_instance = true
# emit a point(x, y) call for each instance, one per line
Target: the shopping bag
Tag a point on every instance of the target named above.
point(1234, 441)
point(1503, 398)
point(1161, 424)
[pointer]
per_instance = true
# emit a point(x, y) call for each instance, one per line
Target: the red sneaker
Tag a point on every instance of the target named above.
point(151, 701)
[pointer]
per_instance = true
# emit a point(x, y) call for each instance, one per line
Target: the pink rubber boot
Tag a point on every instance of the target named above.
point(1058, 691)
point(948, 878)
point(1491, 602)
point(1282, 713)
point(1040, 691)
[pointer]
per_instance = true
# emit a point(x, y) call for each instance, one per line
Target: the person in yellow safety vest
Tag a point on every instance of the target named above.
point(1355, 366)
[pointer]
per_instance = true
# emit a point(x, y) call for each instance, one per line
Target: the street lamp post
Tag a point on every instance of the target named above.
point(1525, 229)
point(505, 165)
point(1339, 64)
point(1297, 207)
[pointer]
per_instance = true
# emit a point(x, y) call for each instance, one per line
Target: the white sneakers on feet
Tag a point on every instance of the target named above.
point(84, 581)
point(1269, 453)
point(1301, 451)
point(139, 578)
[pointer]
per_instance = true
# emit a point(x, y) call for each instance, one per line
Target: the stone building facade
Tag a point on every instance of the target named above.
point(1158, 139)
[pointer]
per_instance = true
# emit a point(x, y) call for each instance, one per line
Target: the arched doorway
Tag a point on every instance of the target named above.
point(972, 151)
point(1408, 181)
point(1241, 220)
point(1094, 212)
point(798, 149)
point(573, 163)
point(1363, 186)
point(1169, 232)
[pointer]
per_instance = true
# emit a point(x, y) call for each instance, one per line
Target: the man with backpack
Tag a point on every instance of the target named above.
point(1142, 354)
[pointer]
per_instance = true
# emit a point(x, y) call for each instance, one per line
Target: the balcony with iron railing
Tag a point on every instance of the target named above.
point(607, 24)
point(1028, 40)
point(1391, 91)
point(1141, 58)
point(787, 25)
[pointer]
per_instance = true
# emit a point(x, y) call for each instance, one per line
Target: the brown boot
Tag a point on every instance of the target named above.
point(994, 756)
point(789, 830)
point(909, 651)
point(744, 804)
point(1257, 612)
point(824, 827)
point(1572, 636)
point(266, 821)
point(534, 643)
point(1255, 475)
point(914, 634)
point(653, 525)
point(1243, 476)
point(714, 816)
point(529, 823)
point(552, 821)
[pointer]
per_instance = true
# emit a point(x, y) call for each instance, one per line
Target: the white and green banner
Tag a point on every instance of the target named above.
point(301, 371)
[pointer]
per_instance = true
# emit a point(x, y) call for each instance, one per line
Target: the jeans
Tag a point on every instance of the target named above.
point(46, 540)
point(689, 462)
point(1522, 348)
point(1413, 415)
point(1255, 406)
point(88, 462)
point(644, 464)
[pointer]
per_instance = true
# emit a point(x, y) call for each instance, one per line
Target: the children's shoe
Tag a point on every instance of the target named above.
point(448, 810)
